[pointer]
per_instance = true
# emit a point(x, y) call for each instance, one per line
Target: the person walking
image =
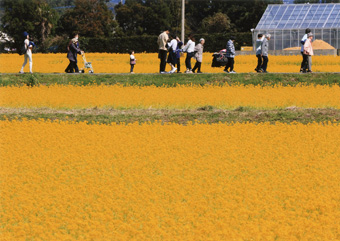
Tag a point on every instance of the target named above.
point(308, 51)
point(73, 50)
point(172, 58)
point(230, 56)
point(162, 49)
point(132, 61)
point(264, 53)
point(198, 56)
point(28, 55)
point(178, 54)
point(189, 48)
point(304, 57)
point(258, 44)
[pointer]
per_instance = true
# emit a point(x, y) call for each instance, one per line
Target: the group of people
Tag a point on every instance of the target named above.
point(262, 47)
point(72, 51)
point(170, 47)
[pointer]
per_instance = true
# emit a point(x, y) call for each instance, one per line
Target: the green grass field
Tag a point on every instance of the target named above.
point(170, 80)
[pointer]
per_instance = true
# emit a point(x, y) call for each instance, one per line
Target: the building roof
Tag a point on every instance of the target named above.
point(300, 16)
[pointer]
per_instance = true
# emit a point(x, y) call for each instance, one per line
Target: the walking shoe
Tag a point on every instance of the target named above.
point(163, 72)
point(226, 71)
point(21, 72)
point(199, 72)
point(232, 72)
point(309, 71)
point(173, 70)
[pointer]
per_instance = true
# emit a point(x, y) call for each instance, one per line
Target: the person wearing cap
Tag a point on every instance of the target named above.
point(198, 56)
point(264, 53)
point(28, 54)
point(73, 50)
point(308, 51)
point(230, 55)
point(162, 49)
point(304, 57)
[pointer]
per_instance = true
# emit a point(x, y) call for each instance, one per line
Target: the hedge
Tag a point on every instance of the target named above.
point(146, 43)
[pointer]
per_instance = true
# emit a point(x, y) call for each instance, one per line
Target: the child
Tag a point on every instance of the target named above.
point(132, 61)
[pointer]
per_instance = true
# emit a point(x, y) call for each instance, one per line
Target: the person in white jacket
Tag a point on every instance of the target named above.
point(258, 45)
point(172, 59)
point(189, 48)
point(28, 54)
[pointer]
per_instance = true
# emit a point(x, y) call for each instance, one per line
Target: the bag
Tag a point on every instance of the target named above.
point(22, 49)
point(133, 61)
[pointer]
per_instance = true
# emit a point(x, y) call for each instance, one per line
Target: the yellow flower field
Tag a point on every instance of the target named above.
point(180, 97)
point(149, 63)
point(74, 181)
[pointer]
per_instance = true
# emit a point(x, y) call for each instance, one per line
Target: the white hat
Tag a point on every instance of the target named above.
point(201, 39)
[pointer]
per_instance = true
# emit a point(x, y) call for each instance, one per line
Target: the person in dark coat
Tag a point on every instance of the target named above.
point(73, 50)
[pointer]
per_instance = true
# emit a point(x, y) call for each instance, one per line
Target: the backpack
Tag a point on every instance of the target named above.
point(22, 49)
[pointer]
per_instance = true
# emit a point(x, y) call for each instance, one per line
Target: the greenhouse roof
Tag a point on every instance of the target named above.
point(300, 16)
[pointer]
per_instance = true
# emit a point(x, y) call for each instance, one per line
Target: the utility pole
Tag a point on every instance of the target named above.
point(183, 21)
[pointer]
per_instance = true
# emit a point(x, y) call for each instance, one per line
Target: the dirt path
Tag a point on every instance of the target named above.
point(207, 114)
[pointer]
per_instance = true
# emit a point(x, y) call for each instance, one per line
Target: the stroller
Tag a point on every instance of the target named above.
point(87, 65)
point(219, 59)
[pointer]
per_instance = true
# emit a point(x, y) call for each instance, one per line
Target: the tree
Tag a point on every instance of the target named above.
point(90, 18)
point(137, 17)
point(243, 15)
point(34, 16)
point(218, 23)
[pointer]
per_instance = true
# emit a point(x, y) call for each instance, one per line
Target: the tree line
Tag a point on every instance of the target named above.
point(50, 24)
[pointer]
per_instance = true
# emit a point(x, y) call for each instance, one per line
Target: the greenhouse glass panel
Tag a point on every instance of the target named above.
point(278, 40)
point(326, 35)
point(290, 21)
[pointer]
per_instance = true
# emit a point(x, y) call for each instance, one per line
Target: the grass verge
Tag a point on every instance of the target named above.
point(169, 80)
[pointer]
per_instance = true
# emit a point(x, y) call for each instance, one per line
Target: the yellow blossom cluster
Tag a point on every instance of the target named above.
point(149, 63)
point(75, 181)
point(180, 97)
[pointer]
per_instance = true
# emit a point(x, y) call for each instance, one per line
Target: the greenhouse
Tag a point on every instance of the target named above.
point(287, 24)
